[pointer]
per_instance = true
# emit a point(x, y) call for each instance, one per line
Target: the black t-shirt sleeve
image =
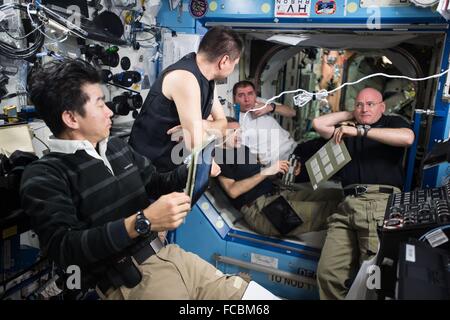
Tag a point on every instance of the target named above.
point(398, 122)
point(238, 164)
point(243, 167)
point(226, 171)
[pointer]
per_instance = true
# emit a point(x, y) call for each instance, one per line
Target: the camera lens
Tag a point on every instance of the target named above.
point(137, 101)
point(124, 103)
point(125, 63)
point(110, 59)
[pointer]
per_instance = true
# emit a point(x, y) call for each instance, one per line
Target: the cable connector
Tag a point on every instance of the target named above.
point(305, 97)
point(322, 94)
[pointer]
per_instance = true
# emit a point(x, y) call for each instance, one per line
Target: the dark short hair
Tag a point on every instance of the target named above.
point(242, 84)
point(232, 120)
point(57, 87)
point(220, 41)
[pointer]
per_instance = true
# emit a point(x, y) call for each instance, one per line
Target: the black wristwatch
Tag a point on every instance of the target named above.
point(364, 128)
point(273, 107)
point(142, 225)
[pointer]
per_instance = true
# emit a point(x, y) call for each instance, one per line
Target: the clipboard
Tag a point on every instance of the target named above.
point(326, 162)
point(199, 170)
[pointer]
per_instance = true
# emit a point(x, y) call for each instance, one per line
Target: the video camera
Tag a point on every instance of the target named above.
point(126, 102)
point(101, 56)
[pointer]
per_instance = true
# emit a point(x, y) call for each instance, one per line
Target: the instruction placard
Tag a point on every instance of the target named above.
point(326, 162)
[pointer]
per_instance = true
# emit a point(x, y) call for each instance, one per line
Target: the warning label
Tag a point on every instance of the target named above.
point(297, 283)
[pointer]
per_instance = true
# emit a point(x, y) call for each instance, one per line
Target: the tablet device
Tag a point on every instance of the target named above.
point(282, 216)
point(199, 170)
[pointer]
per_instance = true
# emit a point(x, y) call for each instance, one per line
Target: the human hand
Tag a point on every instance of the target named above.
point(297, 169)
point(176, 133)
point(168, 212)
point(281, 166)
point(263, 111)
point(215, 169)
point(344, 131)
point(350, 123)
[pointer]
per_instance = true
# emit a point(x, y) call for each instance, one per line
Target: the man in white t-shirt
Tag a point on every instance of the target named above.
point(261, 132)
point(264, 136)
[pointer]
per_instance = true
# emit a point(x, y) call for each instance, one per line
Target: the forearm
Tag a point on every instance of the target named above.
point(196, 133)
point(130, 224)
point(285, 111)
point(91, 245)
point(64, 236)
point(158, 184)
point(245, 185)
point(324, 125)
point(216, 123)
point(68, 241)
point(216, 127)
point(401, 137)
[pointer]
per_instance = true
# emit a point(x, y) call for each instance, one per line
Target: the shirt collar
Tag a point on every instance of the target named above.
point(72, 146)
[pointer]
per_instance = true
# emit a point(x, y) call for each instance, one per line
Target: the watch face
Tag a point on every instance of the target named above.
point(142, 226)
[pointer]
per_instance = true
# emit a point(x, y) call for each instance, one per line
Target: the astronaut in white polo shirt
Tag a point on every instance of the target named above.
point(261, 132)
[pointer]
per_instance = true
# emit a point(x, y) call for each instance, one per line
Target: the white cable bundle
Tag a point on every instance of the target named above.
point(305, 97)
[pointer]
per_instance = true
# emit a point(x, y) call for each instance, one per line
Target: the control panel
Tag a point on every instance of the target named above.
point(409, 215)
point(418, 209)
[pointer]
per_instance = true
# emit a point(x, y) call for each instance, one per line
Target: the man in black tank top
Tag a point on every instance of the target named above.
point(184, 97)
point(376, 145)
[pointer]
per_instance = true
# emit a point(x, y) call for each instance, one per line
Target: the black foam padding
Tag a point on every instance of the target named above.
point(110, 22)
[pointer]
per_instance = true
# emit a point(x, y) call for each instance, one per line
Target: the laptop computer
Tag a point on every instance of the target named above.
point(200, 169)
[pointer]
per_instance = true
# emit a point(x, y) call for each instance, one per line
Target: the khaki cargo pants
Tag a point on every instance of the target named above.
point(313, 207)
point(174, 274)
point(351, 238)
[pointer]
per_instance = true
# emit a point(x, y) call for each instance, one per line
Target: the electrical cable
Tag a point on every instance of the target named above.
point(11, 51)
point(22, 37)
point(41, 141)
point(62, 39)
point(305, 97)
